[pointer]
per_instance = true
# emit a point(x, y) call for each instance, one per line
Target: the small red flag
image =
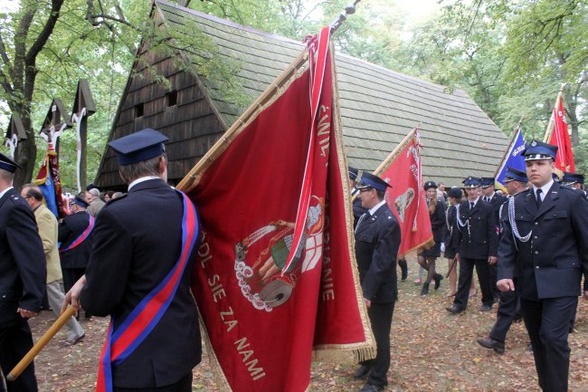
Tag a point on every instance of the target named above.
point(403, 170)
point(564, 160)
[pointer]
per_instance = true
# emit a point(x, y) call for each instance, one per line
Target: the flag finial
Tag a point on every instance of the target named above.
point(350, 9)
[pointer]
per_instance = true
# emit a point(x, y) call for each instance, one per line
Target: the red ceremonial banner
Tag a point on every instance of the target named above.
point(403, 170)
point(564, 160)
point(276, 275)
point(49, 182)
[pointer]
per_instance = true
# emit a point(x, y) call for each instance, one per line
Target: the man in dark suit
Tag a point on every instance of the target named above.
point(75, 238)
point(478, 240)
point(142, 258)
point(377, 240)
point(22, 277)
point(544, 245)
point(515, 182)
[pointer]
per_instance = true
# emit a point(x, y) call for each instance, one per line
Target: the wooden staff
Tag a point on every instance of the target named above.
point(42, 342)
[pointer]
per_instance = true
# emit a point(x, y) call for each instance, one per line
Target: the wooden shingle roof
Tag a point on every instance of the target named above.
point(378, 106)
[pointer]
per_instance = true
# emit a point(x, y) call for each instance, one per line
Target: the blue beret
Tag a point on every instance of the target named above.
point(369, 180)
point(471, 182)
point(537, 150)
point(139, 146)
point(485, 182)
point(430, 184)
point(352, 172)
point(8, 164)
point(515, 174)
point(572, 178)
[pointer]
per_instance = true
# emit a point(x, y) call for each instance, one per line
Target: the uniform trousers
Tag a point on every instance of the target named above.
point(381, 321)
point(508, 306)
point(548, 323)
point(15, 342)
point(71, 276)
point(184, 385)
point(466, 271)
point(56, 298)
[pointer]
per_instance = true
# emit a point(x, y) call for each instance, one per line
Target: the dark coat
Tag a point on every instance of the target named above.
point(478, 238)
point(22, 260)
point(497, 201)
point(70, 228)
point(549, 265)
point(451, 239)
point(377, 240)
point(137, 241)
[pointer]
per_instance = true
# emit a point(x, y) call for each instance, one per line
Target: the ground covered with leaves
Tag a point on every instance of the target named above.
point(431, 351)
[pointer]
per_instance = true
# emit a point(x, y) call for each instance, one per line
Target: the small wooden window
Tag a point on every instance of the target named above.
point(172, 98)
point(139, 110)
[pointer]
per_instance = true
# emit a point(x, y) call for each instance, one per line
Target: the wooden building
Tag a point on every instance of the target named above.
point(378, 106)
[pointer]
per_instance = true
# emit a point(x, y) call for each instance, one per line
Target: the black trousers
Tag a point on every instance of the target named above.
point(508, 306)
point(466, 271)
point(71, 276)
point(548, 323)
point(184, 385)
point(381, 321)
point(15, 342)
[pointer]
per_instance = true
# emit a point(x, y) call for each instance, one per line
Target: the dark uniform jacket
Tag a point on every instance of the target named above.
point(451, 239)
point(22, 260)
point(497, 201)
point(438, 221)
point(549, 264)
point(478, 237)
point(137, 241)
point(70, 228)
point(377, 240)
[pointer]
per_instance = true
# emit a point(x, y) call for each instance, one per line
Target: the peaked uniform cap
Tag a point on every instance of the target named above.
point(572, 178)
point(537, 150)
point(139, 146)
point(79, 201)
point(430, 184)
point(8, 164)
point(485, 182)
point(369, 180)
point(515, 174)
point(471, 182)
point(353, 172)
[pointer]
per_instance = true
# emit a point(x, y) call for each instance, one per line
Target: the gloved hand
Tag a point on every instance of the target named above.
point(442, 247)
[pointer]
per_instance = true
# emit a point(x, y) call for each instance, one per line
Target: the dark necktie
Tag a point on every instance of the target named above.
point(471, 205)
point(538, 197)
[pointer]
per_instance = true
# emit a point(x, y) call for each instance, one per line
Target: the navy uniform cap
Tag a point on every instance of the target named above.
point(79, 201)
point(537, 150)
point(485, 182)
point(572, 178)
point(352, 172)
point(139, 146)
point(430, 184)
point(471, 182)
point(369, 180)
point(515, 174)
point(455, 192)
point(8, 164)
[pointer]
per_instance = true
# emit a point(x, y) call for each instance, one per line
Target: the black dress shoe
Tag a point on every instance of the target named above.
point(491, 344)
point(454, 309)
point(438, 279)
point(362, 372)
point(486, 308)
point(372, 388)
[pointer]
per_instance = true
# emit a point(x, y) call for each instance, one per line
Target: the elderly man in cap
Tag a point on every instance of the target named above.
point(140, 274)
point(478, 239)
point(22, 277)
point(544, 246)
point(75, 238)
point(515, 182)
point(377, 240)
point(575, 180)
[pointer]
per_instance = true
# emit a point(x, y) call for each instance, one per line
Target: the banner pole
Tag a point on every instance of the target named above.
point(551, 125)
point(396, 151)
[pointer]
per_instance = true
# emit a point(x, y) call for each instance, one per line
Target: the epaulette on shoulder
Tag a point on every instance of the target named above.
point(15, 198)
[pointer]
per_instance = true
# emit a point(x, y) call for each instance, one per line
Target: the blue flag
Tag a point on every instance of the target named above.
point(513, 158)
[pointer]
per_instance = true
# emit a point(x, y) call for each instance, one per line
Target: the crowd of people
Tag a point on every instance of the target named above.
point(528, 249)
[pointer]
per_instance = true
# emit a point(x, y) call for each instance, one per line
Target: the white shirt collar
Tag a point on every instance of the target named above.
point(5, 190)
point(142, 179)
point(544, 189)
point(373, 210)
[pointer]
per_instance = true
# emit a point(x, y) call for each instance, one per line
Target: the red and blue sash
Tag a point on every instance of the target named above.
point(82, 236)
point(142, 320)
